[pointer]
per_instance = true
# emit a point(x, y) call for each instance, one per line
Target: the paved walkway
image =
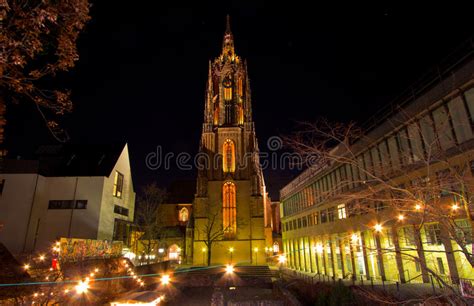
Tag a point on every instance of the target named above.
point(194, 296)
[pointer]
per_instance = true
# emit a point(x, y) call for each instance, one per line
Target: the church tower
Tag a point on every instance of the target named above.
point(231, 202)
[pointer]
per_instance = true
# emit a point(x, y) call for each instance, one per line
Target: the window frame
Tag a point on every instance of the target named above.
point(119, 179)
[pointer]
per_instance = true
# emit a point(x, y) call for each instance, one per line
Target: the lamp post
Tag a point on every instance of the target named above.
point(256, 253)
point(281, 261)
point(231, 250)
point(203, 256)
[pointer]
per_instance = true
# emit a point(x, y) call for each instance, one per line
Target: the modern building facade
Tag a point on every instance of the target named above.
point(231, 201)
point(69, 191)
point(344, 218)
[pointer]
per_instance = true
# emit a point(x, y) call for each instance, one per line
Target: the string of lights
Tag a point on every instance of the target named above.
point(107, 278)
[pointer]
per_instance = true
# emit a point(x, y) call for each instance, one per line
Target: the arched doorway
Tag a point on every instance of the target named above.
point(174, 252)
point(276, 247)
point(183, 215)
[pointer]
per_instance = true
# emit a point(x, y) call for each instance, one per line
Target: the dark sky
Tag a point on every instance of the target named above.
point(143, 68)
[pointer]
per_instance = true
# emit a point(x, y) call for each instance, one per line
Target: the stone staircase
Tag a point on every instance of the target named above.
point(242, 276)
point(253, 271)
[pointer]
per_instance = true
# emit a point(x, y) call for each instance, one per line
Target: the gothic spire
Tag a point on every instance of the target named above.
point(228, 43)
point(227, 28)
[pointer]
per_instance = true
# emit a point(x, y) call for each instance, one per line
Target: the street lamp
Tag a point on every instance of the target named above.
point(281, 261)
point(165, 279)
point(231, 250)
point(256, 253)
point(82, 287)
point(203, 256)
point(229, 269)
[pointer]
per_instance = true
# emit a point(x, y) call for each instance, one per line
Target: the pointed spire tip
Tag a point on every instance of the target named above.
point(227, 28)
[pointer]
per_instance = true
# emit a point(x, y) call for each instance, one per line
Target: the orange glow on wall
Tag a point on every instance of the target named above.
point(241, 114)
point(227, 93)
point(216, 115)
point(229, 214)
point(240, 87)
point(228, 160)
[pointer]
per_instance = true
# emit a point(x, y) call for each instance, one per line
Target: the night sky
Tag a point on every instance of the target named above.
point(143, 68)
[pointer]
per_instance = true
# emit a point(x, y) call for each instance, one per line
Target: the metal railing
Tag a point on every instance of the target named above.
point(434, 286)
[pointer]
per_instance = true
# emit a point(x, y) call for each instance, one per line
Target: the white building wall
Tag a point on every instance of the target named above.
point(49, 224)
point(29, 225)
point(15, 205)
point(107, 215)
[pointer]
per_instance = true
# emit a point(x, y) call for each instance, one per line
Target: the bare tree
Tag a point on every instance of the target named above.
point(213, 232)
point(149, 215)
point(425, 188)
point(38, 41)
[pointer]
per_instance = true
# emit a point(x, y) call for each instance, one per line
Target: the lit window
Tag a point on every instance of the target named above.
point(229, 210)
point(276, 247)
point(241, 114)
point(227, 94)
point(173, 255)
point(118, 184)
point(341, 211)
point(229, 156)
point(174, 252)
point(433, 234)
point(183, 214)
point(409, 236)
point(239, 86)
point(441, 269)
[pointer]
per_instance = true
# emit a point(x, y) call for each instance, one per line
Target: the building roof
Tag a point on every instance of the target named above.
point(69, 160)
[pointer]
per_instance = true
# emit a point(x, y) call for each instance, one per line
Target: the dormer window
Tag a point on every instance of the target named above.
point(118, 185)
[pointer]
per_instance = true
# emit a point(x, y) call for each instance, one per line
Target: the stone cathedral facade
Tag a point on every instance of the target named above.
point(231, 202)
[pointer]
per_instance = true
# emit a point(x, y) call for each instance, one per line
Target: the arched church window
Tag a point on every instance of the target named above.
point(276, 247)
point(229, 214)
point(241, 114)
point(240, 87)
point(228, 159)
point(183, 215)
point(227, 84)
